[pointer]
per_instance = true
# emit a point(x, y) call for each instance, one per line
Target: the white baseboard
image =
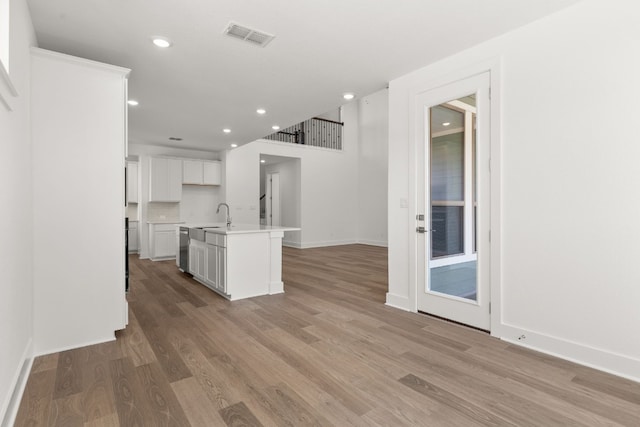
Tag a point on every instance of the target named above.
point(19, 382)
point(327, 243)
point(74, 346)
point(380, 243)
point(298, 245)
point(603, 360)
point(399, 302)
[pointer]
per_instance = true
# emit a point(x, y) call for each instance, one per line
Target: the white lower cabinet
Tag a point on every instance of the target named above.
point(215, 263)
point(197, 264)
point(162, 241)
point(212, 266)
point(222, 269)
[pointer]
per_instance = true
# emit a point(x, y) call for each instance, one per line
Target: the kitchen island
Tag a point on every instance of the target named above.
point(241, 261)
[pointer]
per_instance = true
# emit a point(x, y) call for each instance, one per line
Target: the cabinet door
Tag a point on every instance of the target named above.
point(200, 254)
point(158, 179)
point(211, 268)
point(192, 172)
point(172, 246)
point(165, 183)
point(192, 259)
point(132, 182)
point(174, 183)
point(222, 269)
point(165, 242)
point(211, 173)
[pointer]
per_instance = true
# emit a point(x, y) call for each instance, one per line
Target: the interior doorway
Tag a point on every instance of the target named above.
point(453, 247)
point(280, 195)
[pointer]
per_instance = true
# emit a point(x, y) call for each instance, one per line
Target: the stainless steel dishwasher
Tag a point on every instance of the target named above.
point(183, 262)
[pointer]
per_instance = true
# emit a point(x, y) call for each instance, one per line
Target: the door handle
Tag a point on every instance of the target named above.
point(423, 230)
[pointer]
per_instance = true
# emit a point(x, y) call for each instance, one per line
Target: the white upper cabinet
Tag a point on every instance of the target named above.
point(211, 173)
point(201, 172)
point(132, 182)
point(192, 172)
point(165, 183)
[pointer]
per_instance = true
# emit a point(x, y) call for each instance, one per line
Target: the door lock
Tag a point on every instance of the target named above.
point(421, 230)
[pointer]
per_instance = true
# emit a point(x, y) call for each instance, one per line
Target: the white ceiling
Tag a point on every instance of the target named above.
point(207, 81)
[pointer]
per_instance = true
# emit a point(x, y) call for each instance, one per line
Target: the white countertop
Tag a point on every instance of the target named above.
point(245, 228)
point(165, 222)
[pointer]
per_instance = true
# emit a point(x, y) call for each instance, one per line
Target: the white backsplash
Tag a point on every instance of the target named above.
point(199, 204)
point(163, 212)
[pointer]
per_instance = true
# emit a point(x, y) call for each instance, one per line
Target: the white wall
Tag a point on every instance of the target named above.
point(78, 127)
point(198, 203)
point(566, 274)
point(343, 193)
point(16, 243)
point(329, 184)
point(373, 121)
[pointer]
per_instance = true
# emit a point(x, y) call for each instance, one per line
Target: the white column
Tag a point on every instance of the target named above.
point(276, 286)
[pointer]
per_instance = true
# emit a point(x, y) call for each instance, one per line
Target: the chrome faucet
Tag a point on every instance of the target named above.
point(228, 213)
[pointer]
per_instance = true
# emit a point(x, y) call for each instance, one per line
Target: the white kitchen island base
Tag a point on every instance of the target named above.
point(240, 262)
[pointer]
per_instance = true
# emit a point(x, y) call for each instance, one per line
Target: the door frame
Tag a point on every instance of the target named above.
point(447, 77)
point(475, 312)
point(272, 195)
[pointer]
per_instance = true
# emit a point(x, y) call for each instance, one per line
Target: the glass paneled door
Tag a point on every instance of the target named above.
point(453, 196)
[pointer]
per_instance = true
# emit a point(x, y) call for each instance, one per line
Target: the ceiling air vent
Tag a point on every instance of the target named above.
point(255, 37)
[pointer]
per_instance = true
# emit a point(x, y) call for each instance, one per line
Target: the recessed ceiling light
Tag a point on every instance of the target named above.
point(234, 145)
point(161, 42)
point(446, 124)
point(263, 161)
point(261, 111)
point(275, 127)
point(132, 102)
point(348, 96)
point(226, 130)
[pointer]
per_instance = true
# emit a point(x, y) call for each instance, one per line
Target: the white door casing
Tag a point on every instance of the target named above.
point(476, 312)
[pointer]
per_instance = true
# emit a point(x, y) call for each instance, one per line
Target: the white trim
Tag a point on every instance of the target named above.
point(581, 354)
point(36, 51)
point(302, 146)
point(494, 67)
point(381, 243)
point(18, 384)
point(74, 346)
point(291, 244)
point(7, 89)
point(326, 243)
point(400, 302)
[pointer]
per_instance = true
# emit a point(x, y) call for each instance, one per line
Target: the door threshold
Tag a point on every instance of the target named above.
point(454, 322)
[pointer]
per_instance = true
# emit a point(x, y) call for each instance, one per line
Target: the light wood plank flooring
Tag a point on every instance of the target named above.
point(327, 352)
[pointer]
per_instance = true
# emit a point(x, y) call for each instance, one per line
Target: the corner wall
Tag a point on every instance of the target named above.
point(16, 221)
point(373, 159)
point(568, 275)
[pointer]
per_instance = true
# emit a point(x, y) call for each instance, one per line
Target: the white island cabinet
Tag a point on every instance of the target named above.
point(243, 261)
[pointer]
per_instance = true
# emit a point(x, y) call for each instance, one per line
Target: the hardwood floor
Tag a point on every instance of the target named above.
point(327, 352)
